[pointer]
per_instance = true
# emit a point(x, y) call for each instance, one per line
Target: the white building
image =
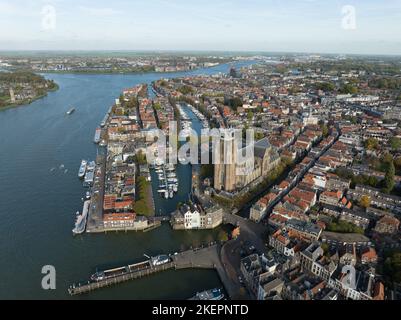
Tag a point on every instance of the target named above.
point(192, 219)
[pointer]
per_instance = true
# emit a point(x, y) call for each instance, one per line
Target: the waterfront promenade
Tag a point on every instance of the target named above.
point(95, 215)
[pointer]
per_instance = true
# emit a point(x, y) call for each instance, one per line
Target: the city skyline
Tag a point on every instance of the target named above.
point(350, 27)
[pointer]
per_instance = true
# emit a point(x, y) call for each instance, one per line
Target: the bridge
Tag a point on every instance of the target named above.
point(202, 258)
point(91, 286)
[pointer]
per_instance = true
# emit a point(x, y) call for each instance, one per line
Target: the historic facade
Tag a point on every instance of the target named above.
point(235, 170)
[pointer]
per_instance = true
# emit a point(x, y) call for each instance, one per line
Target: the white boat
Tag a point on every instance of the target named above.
point(80, 223)
point(71, 111)
point(213, 294)
point(166, 194)
point(89, 178)
point(175, 188)
point(98, 132)
point(159, 260)
point(91, 166)
point(82, 169)
point(171, 194)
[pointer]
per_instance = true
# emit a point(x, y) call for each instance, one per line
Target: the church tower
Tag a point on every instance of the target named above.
point(225, 169)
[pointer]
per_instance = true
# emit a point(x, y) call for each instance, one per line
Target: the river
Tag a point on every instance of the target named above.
point(41, 150)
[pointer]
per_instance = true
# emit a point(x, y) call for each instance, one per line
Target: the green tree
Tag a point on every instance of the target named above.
point(373, 181)
point(141, 208)
point(325, 86)
point(234, 102)
point(140, 158)
point(397, 162)
point(392, 267)
point(395, 143)
point(344, 227)
point(389, 178)
point(348, 89)
point(387, 159)
point(371, 144)
point(222, 236)
point(185, 89)
point(258, 136)
point(250, 115)
point(325, 130)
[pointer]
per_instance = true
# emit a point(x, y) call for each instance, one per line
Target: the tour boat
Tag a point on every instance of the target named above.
point(82, 169)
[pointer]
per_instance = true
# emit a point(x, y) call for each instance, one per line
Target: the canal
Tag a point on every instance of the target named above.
point(184, 174)
point(41, 149)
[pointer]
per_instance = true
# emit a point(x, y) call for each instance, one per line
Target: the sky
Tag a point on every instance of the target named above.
point(319, 26)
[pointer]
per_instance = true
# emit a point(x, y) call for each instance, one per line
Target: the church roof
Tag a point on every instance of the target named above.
point(261, 147)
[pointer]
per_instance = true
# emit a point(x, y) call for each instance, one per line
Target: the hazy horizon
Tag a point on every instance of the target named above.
point(25, 52)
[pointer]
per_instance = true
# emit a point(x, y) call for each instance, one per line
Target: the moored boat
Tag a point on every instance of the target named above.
point(82, 169)
point(80, 223)
point(91, 166)
point(159, 260)
point(89, 178)
point(98, 132)
point(213, 294)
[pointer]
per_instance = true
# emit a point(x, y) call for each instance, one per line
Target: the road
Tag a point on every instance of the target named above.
point(251, 234)
point(300, 176)
point(95, 216)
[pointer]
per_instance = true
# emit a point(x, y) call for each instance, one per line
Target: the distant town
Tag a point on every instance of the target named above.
point(109, 62)
point(317, 217)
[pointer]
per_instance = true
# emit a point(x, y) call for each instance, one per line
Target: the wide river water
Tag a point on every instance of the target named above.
point(40, 152)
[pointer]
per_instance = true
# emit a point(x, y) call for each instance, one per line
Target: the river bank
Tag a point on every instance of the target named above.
point(27, 102)
point(37, 231)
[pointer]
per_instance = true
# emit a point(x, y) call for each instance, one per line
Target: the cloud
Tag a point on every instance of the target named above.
point(99, 12)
